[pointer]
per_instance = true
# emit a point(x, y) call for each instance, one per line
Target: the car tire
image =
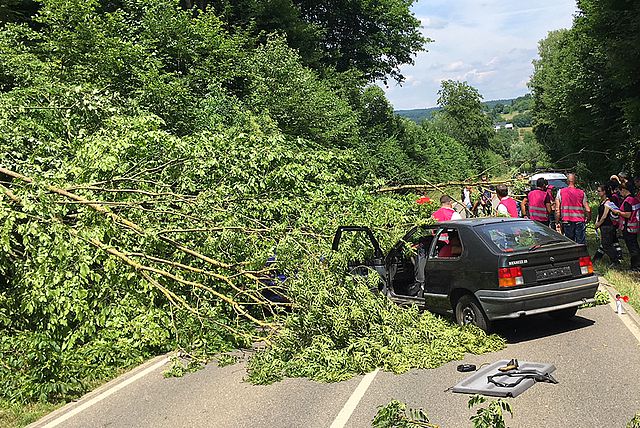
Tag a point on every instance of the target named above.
point(564, 314)
point(469, 311)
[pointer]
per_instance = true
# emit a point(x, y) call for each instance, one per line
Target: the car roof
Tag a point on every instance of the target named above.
point(480, 221)
point(548, 176)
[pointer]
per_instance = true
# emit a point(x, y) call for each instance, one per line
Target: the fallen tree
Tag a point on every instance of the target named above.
point(445, 185)
point(107, 278)
point(155, 194)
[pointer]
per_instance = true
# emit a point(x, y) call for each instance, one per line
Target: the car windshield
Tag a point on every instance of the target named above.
point(514, 236)
point(558, 184)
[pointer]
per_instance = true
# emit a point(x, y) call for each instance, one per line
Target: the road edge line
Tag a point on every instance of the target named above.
point(71, 409)
point(347, 410)
point(630, 318)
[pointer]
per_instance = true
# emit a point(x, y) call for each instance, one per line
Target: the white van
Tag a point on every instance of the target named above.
point(555, 179)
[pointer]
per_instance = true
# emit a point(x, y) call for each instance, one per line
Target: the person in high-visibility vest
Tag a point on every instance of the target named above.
point(537, 203)
point(629, 214)
point(607, 224)
point(573, 210)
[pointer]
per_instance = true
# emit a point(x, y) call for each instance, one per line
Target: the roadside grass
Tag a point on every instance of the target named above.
point(20, 415)
point(508, 116)
point(626, 283)
point(622, 279)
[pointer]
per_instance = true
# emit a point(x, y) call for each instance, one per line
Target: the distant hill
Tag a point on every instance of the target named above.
point(418, 115)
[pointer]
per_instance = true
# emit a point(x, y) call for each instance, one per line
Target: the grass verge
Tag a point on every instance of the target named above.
point(20, 415)
point(626, 282)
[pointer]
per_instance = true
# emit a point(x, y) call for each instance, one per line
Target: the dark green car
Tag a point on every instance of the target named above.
point(481, 270)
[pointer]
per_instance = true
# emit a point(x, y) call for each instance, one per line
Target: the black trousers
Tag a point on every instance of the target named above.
point(608, 235)
point(631, 239)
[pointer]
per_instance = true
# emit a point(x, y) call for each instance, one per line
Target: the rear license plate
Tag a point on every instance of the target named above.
point(560, 272)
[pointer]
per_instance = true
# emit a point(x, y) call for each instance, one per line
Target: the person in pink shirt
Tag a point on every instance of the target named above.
point(446, 211)
point(507, 205)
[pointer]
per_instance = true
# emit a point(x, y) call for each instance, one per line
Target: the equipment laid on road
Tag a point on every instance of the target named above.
point(506, 378)
point(466, 368)
point(619, 300)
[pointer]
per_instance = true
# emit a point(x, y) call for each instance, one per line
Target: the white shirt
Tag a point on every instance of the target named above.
point(502, 209)
point(467, 197)
point(456, 216)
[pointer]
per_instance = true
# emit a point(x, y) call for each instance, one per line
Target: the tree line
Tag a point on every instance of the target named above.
point(586, 90)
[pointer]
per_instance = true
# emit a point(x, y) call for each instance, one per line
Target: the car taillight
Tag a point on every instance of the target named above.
point(586, 267)
point(510, 277)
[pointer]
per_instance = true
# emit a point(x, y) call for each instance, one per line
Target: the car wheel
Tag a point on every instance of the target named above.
point(564, 314)
point(468, 311)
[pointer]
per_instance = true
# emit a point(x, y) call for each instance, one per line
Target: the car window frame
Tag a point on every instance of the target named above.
point(398, 247)
point(434, 257)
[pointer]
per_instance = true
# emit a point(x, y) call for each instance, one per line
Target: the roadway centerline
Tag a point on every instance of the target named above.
point(343, 417)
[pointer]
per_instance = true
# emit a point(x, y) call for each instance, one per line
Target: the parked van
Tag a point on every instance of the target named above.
point(555, 179)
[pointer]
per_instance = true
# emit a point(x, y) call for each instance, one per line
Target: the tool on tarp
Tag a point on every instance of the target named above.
point(520, 375)
point(505, 378)
point(513, 364)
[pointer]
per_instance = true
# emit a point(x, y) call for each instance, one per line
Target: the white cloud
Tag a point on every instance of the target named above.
point(455, 66)
point(490, 44)
point(433, 23)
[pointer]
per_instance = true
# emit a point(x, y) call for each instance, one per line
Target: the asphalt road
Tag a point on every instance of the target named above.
point(598, 369)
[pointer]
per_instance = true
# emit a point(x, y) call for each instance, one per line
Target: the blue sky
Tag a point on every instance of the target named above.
point(488, 43)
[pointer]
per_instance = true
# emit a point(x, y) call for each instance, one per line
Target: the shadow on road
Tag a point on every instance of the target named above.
point(537, 326)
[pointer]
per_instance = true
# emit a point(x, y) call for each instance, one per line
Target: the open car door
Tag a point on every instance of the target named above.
point(361, 267)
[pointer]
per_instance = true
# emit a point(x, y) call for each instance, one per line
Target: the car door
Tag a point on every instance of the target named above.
point(406, 261)
point(362, 267)
point(444, 262)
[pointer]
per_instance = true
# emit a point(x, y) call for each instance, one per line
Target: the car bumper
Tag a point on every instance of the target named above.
point(504, 304)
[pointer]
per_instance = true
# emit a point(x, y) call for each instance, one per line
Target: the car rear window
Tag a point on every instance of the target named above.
point(515, 236)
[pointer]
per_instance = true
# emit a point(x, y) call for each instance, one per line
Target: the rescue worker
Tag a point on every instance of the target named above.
point(507, 205)
point(573, 211)
point(607, 223)
point(552, 215)
point(539, 202)
point(616, 199)
point(629, 214)
point(614, 183)
point(446, 211)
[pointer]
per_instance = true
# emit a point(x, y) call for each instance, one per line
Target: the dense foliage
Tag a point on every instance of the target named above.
point(154, 156)
point(465, 119)
point(586, 89)
point(462, 114)
point(348, 330)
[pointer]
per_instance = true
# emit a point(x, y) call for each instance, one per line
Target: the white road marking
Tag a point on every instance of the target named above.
point(106, 393)
point(341, 420)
